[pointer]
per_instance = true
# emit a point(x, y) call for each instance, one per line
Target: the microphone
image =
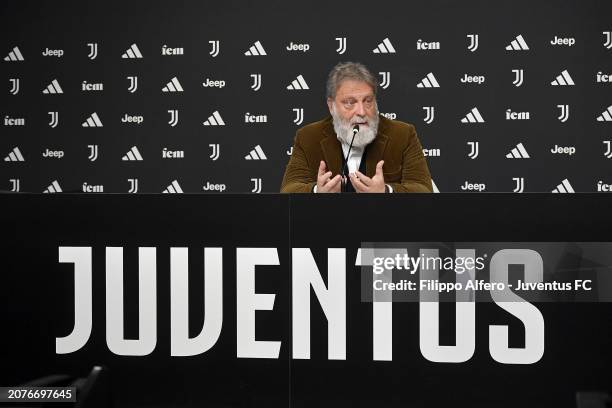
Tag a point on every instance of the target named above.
point(345, 167)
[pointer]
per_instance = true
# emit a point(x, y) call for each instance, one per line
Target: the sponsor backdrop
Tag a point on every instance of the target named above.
point(206, 96)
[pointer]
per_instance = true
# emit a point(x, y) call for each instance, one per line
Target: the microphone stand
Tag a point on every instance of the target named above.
point(344, 182)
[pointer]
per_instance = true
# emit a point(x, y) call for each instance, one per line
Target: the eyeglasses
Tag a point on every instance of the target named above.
point(351, 103)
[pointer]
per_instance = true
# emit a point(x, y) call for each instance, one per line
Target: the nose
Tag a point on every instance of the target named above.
point(360, 109)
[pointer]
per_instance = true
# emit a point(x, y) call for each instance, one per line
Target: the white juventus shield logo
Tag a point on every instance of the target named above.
point(257, 185)
point(290, 151)
point(386, 79)
point(14, 185)
point(215, 151)
point(473, 45)
point(520, 184)
point(14, 86)
point(93, 152)
point(564, 113)
point(608, 153)
point(133, 83)
point(608, 40)
point(133, 185)
point(54, 119)
point(518, 77)
point(214, 48)
point(93, 50)
point(299, 116)
point(341, 45)
point(473, 149)
point(173, 117)
point(256, 82)
point(429, 114)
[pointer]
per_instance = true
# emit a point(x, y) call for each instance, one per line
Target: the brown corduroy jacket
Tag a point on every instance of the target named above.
point(396, 143)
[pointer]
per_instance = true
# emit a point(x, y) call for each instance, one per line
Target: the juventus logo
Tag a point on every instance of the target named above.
point(299, 116)
point(518, 77)
point(386, 79)
point(214, 50)
point(608, 153)
point(290, 151)
point(257, 185)
point(133, 83)
point(564, 112)
point(133, 185)
point(93, 152)
point(93, 51)
point(173, 117)
point(341, 45)
point(520, 184)
point(14, 86)
point(216, 151)
point(54, 119)
point(473, 46)
point(429, 114)
point(14, 185)
point(608, 41)
point(473, 149)
point(256, 82)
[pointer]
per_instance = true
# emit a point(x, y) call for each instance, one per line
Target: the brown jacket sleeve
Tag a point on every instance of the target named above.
point(298, 177)
point(415, 173)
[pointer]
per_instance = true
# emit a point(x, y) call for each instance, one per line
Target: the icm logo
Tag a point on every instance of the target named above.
point(603, 187)
point(473, 79)
point(298, 47)
point(215, 151)
point(214, 48)
point(601, 77)
point(518, 44)
point(209, 83)
point(385, 47)
point(341, 45)
point(257, 184)
point(567, 41)
point(93, 152)
point(568, 150)
point(564, 113)
point(173, 86)
point(14, 90)
point(93, 51)
point(385, 79)
point(14, 55)
point(518, 152)
point(133, 83)
point(248, 118)
point(135, 119)
point(474, 149)
point(172, 154)
point(473, 116)
point(8, 121)
point(297, 84)
point(518, 77)
point(422, 45)
point(169, 51)
point(510, 115)
point(429, 81)
point(86, 86)
point(92, 188)
point(431, 152)
point(473, 44)
point(255, 50)
point(54, 119)
point(48, 52)
point(608, 152)
point(389, 115)
point(214, 187)
point(468, 186)
point(53, 154)
point(429, 114)
point(563, 79)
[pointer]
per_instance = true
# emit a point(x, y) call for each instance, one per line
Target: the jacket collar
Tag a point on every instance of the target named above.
point(332, 148)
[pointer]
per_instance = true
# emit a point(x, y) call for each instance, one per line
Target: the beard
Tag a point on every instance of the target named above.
point(368, 128)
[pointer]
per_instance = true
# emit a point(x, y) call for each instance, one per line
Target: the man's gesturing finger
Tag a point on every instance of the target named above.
point(359, 186)
point(322, 168)
point(363, 178)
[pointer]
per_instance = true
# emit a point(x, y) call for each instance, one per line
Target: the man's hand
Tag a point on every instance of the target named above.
point(326, 184)
point(364, 184)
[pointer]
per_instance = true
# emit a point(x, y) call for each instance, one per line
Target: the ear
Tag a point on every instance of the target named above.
point(330, 102)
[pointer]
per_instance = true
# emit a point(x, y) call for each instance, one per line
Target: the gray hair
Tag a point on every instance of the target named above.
point(349, 70)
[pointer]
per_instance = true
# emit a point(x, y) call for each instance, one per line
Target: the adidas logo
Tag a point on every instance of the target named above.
point(173, 86)
point(14, 156)
point(563, 79)
point(385, 47)
point(435, 188)
point(53, 88)
point(214, 120)
point(173, 188)
point(428, 82)
point(256, 154)
point(606, 116)
point(518, 152)
point(54, 187)
point(256, 50)
point(132, 155)
point(92, 121)
point(564, 187)
point(14, 55)
point(518, 44)
point(298, 83)
point(132, 52)
point(473, 117)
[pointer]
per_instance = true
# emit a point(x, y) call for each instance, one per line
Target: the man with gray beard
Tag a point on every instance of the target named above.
point(355, 149)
